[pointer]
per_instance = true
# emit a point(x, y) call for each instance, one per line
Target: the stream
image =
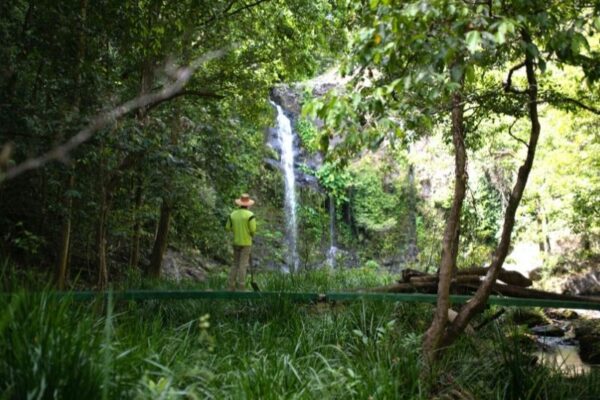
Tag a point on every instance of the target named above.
point(561, 353)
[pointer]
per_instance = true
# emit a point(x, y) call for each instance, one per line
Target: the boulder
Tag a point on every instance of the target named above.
point(535, 274)
point(560, 314)
point(529, 318)
point(547, 330)
point(587, 333)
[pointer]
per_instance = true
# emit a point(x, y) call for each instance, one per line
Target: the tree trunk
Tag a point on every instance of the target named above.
point(101, 245)
point(134, 255)
point(480, 298)
point(63, 257)
point(160, 244)
point(101, 240)
point(101, 225)
point(432, 340)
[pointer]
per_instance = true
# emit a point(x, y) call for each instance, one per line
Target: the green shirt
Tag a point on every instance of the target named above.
point(243, 225)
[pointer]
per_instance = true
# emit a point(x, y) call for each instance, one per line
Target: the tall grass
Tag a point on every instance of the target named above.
point(273, 349)
point(48, 349)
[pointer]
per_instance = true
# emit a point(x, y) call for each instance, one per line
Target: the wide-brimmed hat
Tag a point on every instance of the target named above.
point(245, 200)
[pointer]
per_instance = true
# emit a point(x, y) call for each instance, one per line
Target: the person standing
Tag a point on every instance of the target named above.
point(243, 225)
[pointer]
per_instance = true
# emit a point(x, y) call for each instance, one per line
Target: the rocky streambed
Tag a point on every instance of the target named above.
point(565, 339)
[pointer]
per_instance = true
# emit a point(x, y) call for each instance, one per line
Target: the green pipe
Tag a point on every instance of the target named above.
point(139, 295)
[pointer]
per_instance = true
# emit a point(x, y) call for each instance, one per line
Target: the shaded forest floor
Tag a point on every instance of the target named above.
point(262, 349)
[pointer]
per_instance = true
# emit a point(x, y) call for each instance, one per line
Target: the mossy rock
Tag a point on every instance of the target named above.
point(528, 317)
point(560, 314)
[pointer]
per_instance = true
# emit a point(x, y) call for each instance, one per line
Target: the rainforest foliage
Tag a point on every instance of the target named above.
point(430, 134)
point(166, 174)
point(188, 156)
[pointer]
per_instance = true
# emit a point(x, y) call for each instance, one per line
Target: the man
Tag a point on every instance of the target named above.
point(243, 225)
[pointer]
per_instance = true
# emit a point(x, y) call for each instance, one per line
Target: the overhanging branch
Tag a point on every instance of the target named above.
point(181, 78)
point(196, 93)
point(556, 98)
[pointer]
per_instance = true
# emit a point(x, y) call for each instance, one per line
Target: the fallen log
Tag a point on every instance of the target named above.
point(517, 291)
point(434, 279)
point(469, 284)
point(407, 287)
point(409, 273)
point(426, 285)
point(509, 277)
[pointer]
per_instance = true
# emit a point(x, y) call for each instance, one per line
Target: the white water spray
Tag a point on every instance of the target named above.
point(286, 140)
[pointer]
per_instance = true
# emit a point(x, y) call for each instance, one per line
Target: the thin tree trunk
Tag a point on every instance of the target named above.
point(134, 255)
point(101, 224)
point(545, 231)
point(146, 82)
point(433, 337)
point(101, 247)
point(63, 258)
point(160, 244)
point(101, 230)
point(480, 298)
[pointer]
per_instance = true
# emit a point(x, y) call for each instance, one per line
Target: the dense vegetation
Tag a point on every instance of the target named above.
point(453, 132)
point(262, 349)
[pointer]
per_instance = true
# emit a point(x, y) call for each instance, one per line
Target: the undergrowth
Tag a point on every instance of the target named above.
point(268, 349)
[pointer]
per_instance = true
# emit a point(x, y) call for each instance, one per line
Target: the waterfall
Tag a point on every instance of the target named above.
point(412, 251)
point(332, 244)
point(285, 136)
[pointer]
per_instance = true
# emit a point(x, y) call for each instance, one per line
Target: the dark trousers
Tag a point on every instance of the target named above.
point(237, 275)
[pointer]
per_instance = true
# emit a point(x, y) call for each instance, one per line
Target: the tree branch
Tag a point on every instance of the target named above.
point(197, 93)
point(226, 11)
point(181, 77)
point(247, 6)
point(564, 99)
point(508, 84)
point(513, 136)
point(223, 12)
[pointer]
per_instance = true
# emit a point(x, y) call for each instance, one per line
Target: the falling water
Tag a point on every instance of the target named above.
point(286, 140)
point(332, 244)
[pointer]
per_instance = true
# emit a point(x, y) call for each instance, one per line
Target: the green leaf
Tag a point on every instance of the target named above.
point(578, 42)
point(473, 40)
point(457, 73)
point(470, 73)
point(411, 10)
point(503, 27)
point(532, 50)
point(542, 64)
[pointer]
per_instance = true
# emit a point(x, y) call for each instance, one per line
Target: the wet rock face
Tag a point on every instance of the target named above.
point(586, 284)
point(186, 266)
point(290, 100)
